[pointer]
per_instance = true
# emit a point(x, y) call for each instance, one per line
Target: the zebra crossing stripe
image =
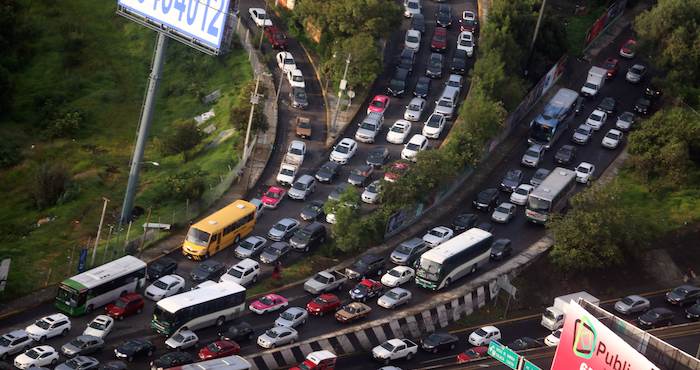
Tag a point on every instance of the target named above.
point(427, 321)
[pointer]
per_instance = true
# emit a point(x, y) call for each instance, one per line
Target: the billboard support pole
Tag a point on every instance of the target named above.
point(144, 126)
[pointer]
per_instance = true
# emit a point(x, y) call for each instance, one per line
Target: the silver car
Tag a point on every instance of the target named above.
point(250, 247)
point(302, 188)
point(414, 109)
point(636, 73)
point(79, 363)
point(277, 336)
point(632, 304)
point(371, 193)
point(582, 134)
point(532, 156)
point(82, 345)
point(408, 251)
point(292, 317)
point(503, 213)
point(283, 229)
point(394, 298)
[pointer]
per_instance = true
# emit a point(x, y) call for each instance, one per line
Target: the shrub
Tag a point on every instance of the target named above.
point(50, 182)
point(183, 137)
point(186, 185)
point(10, 153)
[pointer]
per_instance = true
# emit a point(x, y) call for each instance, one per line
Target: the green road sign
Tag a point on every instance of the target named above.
point(503, 354)
point(527, 365)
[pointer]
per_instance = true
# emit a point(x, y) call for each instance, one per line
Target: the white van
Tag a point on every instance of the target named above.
point(447, 103)
point(259, 206)
point(244, 273)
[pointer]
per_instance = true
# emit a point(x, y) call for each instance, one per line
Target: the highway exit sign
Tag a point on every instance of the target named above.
point(527, 365)
point(504, 354)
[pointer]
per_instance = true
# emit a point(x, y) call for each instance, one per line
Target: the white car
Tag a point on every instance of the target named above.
point(100, 326)
point(519, 195)
point(277, 336)
point(584, 172)
point(612, 139)
point(165, 287)
point(438, 235)
point(287, 174)
point(182, 339)
point(411, 8)
point(397, 276)
point(412, 40)
point(37, 357)
point(465, 42)
point(296, 78)
point(503, 213)
point(552, 340)
point(434, 125)
point(344, 151)
point(394, 298)
point(49, 327)
point(418, 143)
point(414, 109)
point(244, 272)
point(597, 119)
point(484, 336)
point(14, 342)
point(399, 131)
point(371, 193)
point(260, 17)
point(292, 317)
point(285, 61)
point(625, 121)
point(296, 151)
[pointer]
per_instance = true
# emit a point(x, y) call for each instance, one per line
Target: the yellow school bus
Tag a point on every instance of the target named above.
point(219, 230)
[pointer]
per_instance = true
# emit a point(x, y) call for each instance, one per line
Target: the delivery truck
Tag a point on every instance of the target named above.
point(553, 317)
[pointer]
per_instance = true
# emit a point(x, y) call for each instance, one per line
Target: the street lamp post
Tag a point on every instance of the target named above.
point(342, 87)
point(254, 99)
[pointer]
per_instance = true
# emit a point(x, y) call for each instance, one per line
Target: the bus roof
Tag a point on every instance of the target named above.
point(553, 110)
point(223, 363)
point(197, 296)
point(456, 245)
point(554, 183)
point(108, 271)
point(221, 218)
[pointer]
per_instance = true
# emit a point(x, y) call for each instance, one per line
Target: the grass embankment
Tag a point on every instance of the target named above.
point(82, 56)
point(577, 26)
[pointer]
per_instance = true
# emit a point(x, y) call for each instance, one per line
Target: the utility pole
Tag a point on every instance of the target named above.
point(144, 126)
point(343, 86)
point(254, 99)
point(534, 37)
point(262, 29)
point(99, 230)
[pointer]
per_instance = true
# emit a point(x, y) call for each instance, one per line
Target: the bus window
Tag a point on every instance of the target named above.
point(197, 236)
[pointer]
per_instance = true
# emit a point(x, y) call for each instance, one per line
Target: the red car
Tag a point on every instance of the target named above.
point(127, 305)
point(628, 49)
point(612, 65)
point(439, 42)
point(219, 348)
point(322, 304)
point(469, 22)
point(472, 354)
point(273, 196)
point(396, 170)
point(276, 37)
point(378, 104)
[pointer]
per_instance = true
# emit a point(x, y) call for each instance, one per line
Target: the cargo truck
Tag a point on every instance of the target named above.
point(553, 317)
point(594, 81)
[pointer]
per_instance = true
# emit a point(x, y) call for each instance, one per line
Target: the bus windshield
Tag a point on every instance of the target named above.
point(429, 270)
point(163, 317)
point(197, 236)
point(70, 296)
point(541, 133)
point(538, 204)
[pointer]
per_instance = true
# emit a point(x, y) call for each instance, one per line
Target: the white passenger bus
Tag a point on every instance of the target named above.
point(442, 265)
point(551, 195)
point(223, 363)
point(103, 284)
point(210, 305)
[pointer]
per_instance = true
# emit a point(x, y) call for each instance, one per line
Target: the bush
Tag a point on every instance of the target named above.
point(185, 185)
point(10, 153)
point(65, 125)
point(50, 182)
point(183, 137)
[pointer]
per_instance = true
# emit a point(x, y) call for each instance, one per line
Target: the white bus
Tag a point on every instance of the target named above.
point(442, 265)
point(101, 285)
point(223, 363)
point(210, 305)
point(551, 195)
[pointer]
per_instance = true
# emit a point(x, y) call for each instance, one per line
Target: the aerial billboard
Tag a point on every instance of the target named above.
point(198, 23)
point(587, 344)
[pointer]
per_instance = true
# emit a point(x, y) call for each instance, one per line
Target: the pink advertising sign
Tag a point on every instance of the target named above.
point(587, 344)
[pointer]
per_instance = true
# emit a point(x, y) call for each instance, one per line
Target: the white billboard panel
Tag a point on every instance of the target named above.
point(201, 20)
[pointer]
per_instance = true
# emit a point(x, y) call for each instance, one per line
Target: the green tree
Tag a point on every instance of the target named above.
point(670, 31)
point(66, 124)
point(183, 137)
point(346, 231)
point(346, 18)
point(365, 60)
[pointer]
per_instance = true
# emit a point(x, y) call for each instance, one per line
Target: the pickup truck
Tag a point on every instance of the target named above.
point(303, 127)
point(395, 349)
point(325, 281)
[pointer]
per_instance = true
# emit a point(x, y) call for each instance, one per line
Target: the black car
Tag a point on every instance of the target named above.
point(172, 359)
point(501, 249)
point(578, 106)
point(208, 270)
point(486, 226)
point(607, 105)
point(397, 85)
point(114, 365)
point(642, 106)
point(312, 211)
point(486, 200)
point(434, 69)
point(422, 87)
point(524, 343)
point(459, 62)
point(377, 157)
point(298, 98)
point(365, 290)
point(337, 191)
point(238, 332)
point(656, 317)
point(565, 154)
point(328, 172)
point(161, 267)
point(368, 264)
point(693, 312)
point(464, 221)
point(443, 16)
point(311, 235)
point(511, 180)
point(438, 342)
point(135, 348)
point(539, 176)
point(407, 58)
point(361, 175)
point(418, 23)
point(683, 295)
point(652, 92)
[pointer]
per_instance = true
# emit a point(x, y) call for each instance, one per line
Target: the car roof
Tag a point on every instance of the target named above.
point(417, 139)
point(246, 263)
point(16, 334)
point(294, 309)
point(346, 141)
point(305, 179)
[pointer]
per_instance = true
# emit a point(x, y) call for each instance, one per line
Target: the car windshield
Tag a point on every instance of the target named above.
point(414, 106)
point(445, 103)
point(590, 85)
point(197, 236)
point(637, 70)
point(412, 5)
point(321, 300)
point(246, 244)
point(273, 194)
point(300, 95)
point(532, 153)
point(289, 61)
point(403, 249)
point(368, 126)
point(435, 62)
point(299, 186)
point(439, 37)
point(160, 284)
point(612, 135)
point(43, 324)
point(412, 146)
point(267, 301)
point(342, 149)
point(178, 337)
point(287, 315)
point(392, 294)
point(582, 130)
point(32, 353)
point(214, 347)
point(236, 273)
point(373, 188)
point(321, 279)
point(378, 104)
point(73, 363)
point(4, 342)
point(522, 191)
point(297, 78)
point(395, 273)
point(388, 346)
point(480, 332)
point(280, 226)
point(465, 42)
point(538, 204)
point(438, 233)
point(654, 314)
point(502, 209)
point(272, 333)
point(596, 117)
point(412, 39)
point(627, 117)
point(99, 325)
point(303, 235)
point(398, 129)
point(582, 169)
point(434, 121)
point(628, 301)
